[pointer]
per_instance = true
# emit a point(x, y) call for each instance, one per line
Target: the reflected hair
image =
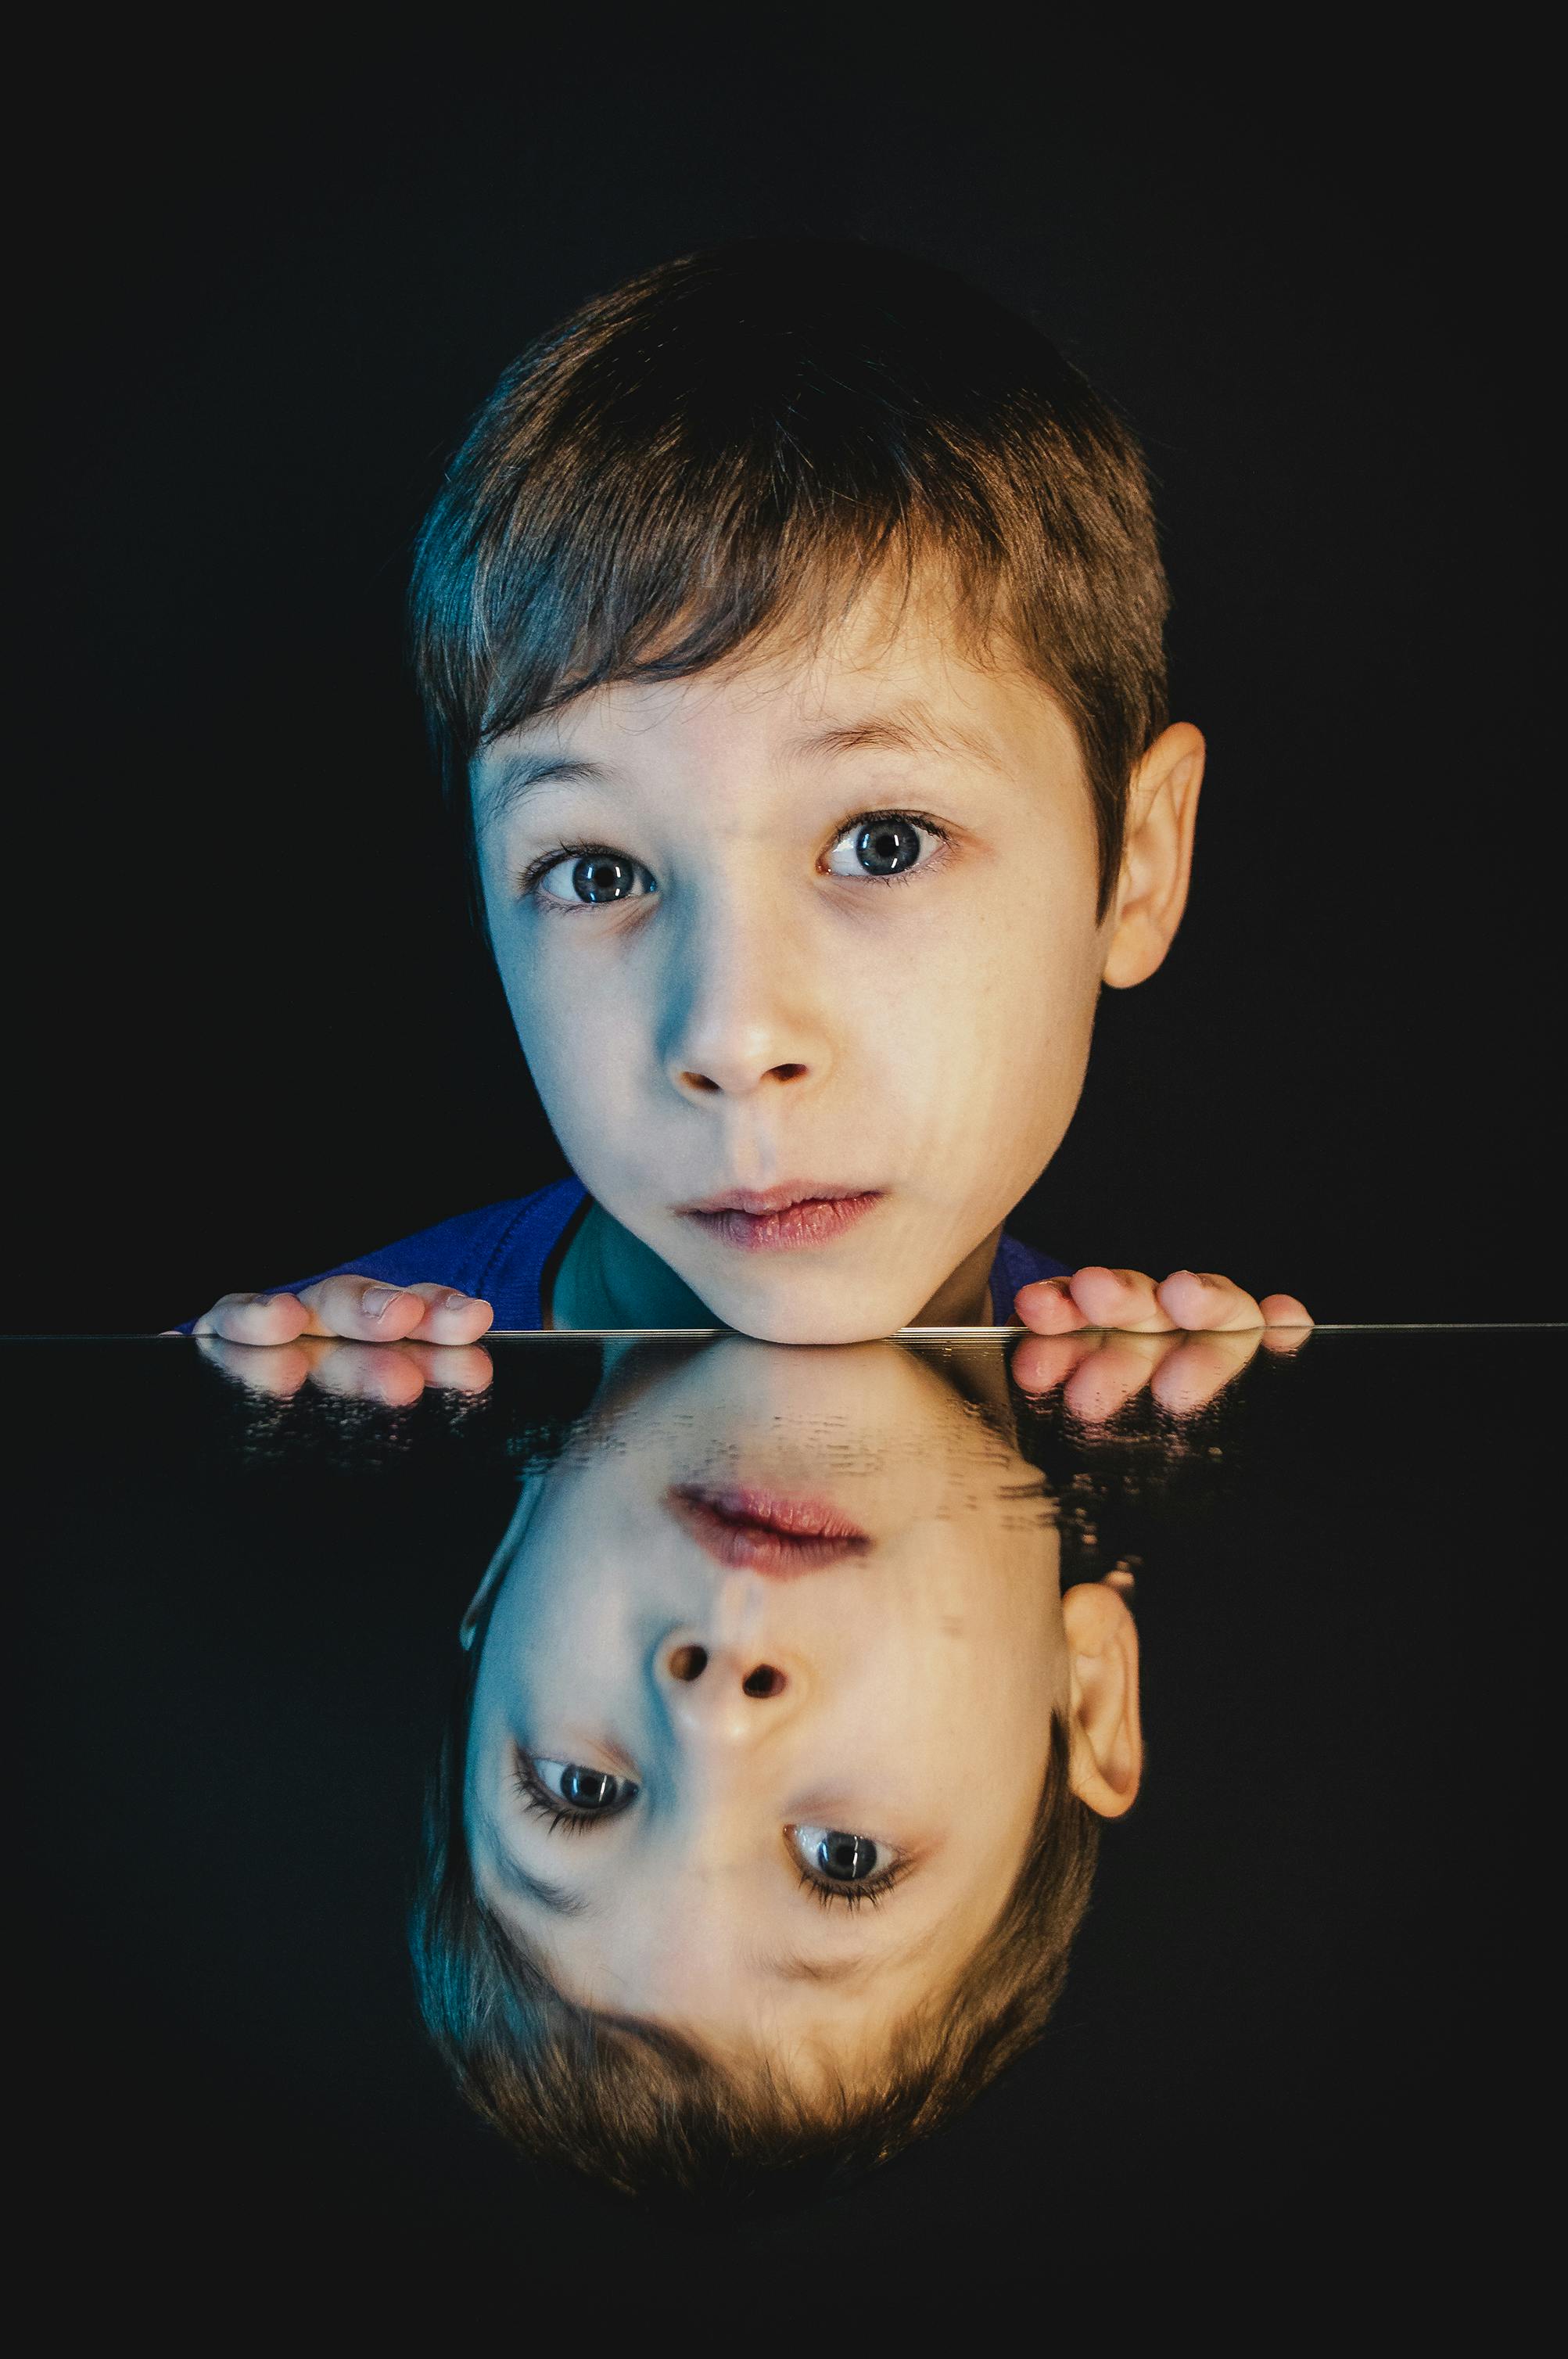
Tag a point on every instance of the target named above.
point(724, 449)
point(635, 2106)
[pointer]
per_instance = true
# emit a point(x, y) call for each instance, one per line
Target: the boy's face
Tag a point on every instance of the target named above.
point(907, 1701)
point(853, 948)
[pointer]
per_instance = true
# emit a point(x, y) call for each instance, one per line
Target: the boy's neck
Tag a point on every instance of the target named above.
point(607, 1277)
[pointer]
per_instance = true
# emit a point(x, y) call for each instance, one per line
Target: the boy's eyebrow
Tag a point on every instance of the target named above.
point(910, 729)
point(553, 1896)
point(519, 771)
point(860, 1968)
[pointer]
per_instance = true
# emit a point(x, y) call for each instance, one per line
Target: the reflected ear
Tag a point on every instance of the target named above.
point(501, 1562)
point(1106, 1732)
point(1157, 856)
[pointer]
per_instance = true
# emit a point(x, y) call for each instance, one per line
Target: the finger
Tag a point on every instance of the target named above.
point(1202, 1299)
point(1112, 1373)
point(1046, 1307)
point(394, 1379)
point(363, 1310)
point(1200, 1367)
point(1040, 1363)
point(256, 1319)
point(453, 1367)
point(1123, 1298)
point(276, 1370)
point(1284, 1311)
point(451, 1316)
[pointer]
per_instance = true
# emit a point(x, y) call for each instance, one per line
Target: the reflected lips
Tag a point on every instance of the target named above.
point(749, 1530)
point(797, 1213)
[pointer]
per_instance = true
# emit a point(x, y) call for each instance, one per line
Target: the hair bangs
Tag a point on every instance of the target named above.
point(720, 456)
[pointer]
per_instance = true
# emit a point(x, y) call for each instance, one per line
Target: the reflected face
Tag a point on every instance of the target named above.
point(766, 1784)
point(819, 931)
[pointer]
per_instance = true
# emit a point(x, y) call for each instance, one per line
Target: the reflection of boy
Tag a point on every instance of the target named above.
point(672, 1774)
point(790, 628)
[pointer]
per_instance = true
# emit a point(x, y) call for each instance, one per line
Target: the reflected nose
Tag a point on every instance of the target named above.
point(741, 1015)
point(687, 1662)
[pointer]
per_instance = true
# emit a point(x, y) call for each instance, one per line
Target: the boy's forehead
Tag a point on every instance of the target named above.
point(908, 685)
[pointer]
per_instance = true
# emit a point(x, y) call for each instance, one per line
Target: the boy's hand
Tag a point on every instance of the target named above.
point(1185, 1340)
point(1123, 1299)
point(359, 1309)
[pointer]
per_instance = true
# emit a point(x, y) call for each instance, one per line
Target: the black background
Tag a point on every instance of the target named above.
point(261, 297)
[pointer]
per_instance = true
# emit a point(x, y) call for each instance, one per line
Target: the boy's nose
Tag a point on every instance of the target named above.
point(733, 1077)
point(718, 1690)
point(739, 1019)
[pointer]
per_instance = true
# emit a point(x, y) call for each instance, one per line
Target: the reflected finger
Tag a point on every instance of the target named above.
point(1201, 1367)
point(386, 1372)
point(453, 1367)
point(1040, 1363)
point(1112, 1373)
point(277, 1370)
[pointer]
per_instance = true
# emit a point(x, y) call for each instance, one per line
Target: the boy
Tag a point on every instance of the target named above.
point(770, 1799)
point(788, 627)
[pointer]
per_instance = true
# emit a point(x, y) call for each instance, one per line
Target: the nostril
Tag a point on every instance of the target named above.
point(689, 1662)
point(764, 1681)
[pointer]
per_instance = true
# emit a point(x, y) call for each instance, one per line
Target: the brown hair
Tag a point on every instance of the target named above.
point(646, 2110)
point(698, 458)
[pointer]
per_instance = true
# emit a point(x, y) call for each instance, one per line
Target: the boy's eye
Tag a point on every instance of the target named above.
point(844, 1868)
point(566, 1791)
point(591, 877)
point(842, 1858)
point(881, 843)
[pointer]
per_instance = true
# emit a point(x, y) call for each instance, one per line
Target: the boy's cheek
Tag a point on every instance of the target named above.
point(954, 1095)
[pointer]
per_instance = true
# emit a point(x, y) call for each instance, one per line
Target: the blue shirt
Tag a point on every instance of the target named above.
point(500, 1251)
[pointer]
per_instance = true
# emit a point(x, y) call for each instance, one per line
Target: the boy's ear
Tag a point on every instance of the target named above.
point(1157, 859)
point(501, 1562)
point(1107, 1760)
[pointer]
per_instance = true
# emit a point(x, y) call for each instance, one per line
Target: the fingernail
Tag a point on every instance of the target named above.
point(375, 1299)
point(456, 1301)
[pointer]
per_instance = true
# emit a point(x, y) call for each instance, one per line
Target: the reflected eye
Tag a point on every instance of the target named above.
point(840, 1866)
point(565, 1791)
point(883, 844)
point(585, 876)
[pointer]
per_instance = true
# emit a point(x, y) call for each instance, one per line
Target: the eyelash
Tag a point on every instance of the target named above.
point(539, 1799)
point(851, 1896)
point(549, 906)
point(544, 1805)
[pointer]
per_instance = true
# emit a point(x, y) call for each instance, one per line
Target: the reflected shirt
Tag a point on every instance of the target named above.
point(500, 1252)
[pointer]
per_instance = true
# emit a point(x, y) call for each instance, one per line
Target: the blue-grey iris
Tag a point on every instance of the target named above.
point(884, 846)
point(847, 1858)
point(604, 877)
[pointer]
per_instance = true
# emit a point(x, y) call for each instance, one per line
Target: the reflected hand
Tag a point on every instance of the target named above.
point(1103, 1334)
point(394, 1375)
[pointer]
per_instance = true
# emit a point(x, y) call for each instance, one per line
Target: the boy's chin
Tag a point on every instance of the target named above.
point(802, 1312)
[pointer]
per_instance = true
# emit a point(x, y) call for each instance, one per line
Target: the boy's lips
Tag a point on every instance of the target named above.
point(795, 1213)
point(744, 1526)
